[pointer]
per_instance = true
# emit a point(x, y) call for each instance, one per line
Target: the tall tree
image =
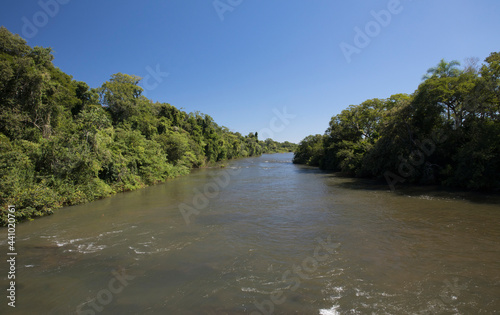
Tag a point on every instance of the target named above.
point(443, 69)
point(120, 95)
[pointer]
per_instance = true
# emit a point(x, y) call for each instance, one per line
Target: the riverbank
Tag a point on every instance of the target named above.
point(445, 133)
point(64, 143)
point(431, 191)
point(413, 190)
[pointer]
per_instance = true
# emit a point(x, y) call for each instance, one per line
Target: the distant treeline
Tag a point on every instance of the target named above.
point(447, 132)
point(63, 143)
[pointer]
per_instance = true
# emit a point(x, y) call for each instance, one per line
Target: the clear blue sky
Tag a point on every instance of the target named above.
point(263, 54)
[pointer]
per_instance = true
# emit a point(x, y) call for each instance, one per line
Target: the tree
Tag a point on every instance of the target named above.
point(472, 65)
point(120, 95)
point(443, 69)
point(489, 91)
point(309, 151)
point(29, 95)
point(446, 133)
point(63, 143)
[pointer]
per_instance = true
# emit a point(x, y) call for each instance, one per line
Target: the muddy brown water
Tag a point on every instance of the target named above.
point(264, 236)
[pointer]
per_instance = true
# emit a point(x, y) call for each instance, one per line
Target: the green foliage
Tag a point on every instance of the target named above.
point(447, 132)
point(309, 151)
point(443, 69)
point(63, 143)
point(121, 96)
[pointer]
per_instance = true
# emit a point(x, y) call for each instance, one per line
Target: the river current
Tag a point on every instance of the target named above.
point(262, 236)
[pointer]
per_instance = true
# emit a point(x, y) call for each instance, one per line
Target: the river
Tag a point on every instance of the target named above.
point(262, 236)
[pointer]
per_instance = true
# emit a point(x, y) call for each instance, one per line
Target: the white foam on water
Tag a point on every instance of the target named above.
point(333, 299)
point(111, 232)
point(331, 311)
point(63, 243)
point(254, 290)
point(248, 289)
point(137, 251)
point(90, 248)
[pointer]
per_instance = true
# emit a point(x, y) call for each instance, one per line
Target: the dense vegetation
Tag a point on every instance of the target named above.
point(63, 143)
point(447, 132)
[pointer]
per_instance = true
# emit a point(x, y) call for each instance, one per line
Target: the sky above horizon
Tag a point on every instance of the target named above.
point(282, 68)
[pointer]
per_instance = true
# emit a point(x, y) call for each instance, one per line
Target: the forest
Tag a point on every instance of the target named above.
point(64, 143)
point(446, 133)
